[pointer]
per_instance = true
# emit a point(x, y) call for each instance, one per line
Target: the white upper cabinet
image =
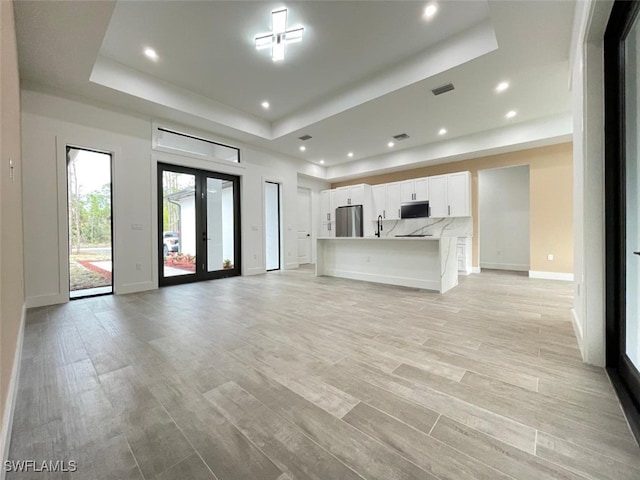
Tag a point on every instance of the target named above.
point(415, 190)
point(421, 188)
point(450, 195)
point(392, 207)
point(406, 191)
point(438, 202)
point(386, 198)
point(342, 196)
point(459, 193)
point(327, 206)
point(379, 199)
point(351, 195)
point(356, 195)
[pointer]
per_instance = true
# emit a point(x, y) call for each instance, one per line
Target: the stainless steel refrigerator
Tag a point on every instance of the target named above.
point(349, 221)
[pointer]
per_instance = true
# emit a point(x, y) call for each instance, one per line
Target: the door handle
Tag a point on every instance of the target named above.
point(636, 253)
point(308, 234)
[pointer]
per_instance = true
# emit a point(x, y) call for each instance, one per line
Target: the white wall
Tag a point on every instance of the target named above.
point(50, 123)
point(504, 219)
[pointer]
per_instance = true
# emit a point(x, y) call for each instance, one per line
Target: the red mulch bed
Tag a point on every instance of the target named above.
point(182, 263)
point(90, 266)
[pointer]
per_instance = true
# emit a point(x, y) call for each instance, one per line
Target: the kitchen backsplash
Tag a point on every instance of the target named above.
point(438, 227)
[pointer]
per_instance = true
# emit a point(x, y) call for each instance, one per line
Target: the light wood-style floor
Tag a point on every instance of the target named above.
point(287, 376)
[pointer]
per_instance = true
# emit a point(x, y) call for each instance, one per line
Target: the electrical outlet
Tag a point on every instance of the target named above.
point(550, 257)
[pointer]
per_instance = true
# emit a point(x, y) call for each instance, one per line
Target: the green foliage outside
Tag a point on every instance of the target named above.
point(90, 216)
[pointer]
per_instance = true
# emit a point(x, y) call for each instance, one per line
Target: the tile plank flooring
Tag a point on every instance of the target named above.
point(286, 376)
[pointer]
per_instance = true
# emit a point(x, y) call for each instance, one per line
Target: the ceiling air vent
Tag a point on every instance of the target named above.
point(400, 136)
point(304, 138)
point(443, 89)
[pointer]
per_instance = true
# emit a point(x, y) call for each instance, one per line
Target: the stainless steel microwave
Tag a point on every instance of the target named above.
point(414, 210)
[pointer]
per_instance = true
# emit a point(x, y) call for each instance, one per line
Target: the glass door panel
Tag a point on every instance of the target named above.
point(272, 225)
point(632, 187)
point(90, 222)
point(220, 221)
point(178, 224)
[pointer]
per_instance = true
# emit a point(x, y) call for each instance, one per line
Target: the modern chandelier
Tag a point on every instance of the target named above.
point(279, 36)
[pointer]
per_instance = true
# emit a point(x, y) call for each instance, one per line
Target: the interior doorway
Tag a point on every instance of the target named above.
point(198, 225)
point(504, 218)
point(304, 226)
point(89, 200)
point(272, 226)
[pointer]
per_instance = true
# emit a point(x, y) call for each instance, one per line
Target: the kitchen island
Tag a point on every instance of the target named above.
point(419, 262)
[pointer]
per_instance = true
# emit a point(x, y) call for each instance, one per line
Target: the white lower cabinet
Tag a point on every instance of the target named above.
point(464, 255)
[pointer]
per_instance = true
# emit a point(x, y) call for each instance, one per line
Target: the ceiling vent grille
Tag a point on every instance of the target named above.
point(400, 136)
point(443, 89)
point(304, 138)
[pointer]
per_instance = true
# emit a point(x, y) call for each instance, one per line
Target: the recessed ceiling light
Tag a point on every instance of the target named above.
point(502, 86)
point(430, 10)
point(302, 148)
point(390, 144)
point(151, 54)
point(322, 162)
point(265, 105)
point(350, 154)
point(442, 131)
point(511, 114)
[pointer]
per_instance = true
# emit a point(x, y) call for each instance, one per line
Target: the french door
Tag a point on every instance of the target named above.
point(198, 225)
point(622, 205)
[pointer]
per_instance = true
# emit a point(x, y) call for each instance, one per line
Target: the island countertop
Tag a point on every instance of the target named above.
point(422, 262)
point(384, 238)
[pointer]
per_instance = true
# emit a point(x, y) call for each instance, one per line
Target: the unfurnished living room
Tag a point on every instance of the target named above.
point(251, 240)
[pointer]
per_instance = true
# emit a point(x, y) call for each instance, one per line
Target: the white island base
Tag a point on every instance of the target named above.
point(419, 262)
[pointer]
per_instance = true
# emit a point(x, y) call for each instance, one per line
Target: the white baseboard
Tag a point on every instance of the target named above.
point(567, 277)
point(45, 300)
point(476, 269)
point(291, 266)
point(255, 271)
point(10, 405)
point(577, 329)
point(515, 267)
point(135, 287)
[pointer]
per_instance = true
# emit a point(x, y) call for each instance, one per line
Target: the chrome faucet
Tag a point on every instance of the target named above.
point(379, 226)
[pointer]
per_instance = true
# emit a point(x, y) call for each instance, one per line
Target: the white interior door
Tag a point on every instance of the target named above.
point(304, 225)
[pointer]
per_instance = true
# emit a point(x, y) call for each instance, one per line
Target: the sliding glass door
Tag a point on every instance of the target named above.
point(622, 179)
point(199, 225)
